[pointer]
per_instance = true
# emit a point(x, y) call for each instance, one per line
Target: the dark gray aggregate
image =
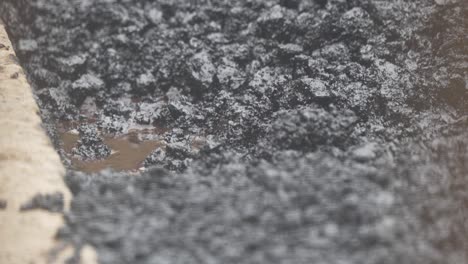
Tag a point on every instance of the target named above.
point(50, 202)
point(327, 131)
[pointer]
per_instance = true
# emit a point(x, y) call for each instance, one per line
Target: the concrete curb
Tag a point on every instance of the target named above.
point(29, 166)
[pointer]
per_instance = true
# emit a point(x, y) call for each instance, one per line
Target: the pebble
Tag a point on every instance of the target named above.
point(365, 153)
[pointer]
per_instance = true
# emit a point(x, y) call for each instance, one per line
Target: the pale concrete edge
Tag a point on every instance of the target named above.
point(29, 165)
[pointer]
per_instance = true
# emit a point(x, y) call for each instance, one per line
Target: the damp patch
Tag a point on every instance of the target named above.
point(127, 154)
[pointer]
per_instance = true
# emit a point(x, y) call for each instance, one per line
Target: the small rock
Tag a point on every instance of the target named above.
point(365, 153)
point(121, 88)
point(291, 49)
point(145, 80)
point(148, 112)
point(384, 199)
point(154, 16)
point(114, 124)
point(317, 87)
point(202, 69)
point(357, 21)
point(178, 150)
point(89, 107)
point(118, 107)
point(177, 103)
point(54, 98)
point(229, 75)
point(335, 52)
point(273, 24)
point(274, 14)
point(242, 52)
point(331, 230)
point(71, 64)
point(156, 157)
point(385, 228)
point(356, 94)
point(212, 142)
point(27, 45)
point(267, 80)
point(86, 85)
point(45, 78)
point(217, 38)
point(307, 128)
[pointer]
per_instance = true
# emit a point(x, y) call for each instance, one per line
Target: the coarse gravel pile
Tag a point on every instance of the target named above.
point(295, 131)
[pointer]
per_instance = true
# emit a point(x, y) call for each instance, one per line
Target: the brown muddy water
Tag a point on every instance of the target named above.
point(128, 153)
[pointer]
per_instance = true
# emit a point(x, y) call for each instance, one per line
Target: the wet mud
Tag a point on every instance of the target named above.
point(126, 154)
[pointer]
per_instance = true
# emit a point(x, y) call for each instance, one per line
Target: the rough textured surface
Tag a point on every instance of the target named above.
point(296, 131)
point(29, 166)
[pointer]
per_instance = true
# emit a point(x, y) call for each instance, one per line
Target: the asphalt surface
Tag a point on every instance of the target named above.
point(294, 131)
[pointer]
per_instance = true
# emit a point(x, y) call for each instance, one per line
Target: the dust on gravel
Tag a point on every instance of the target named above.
point(296, 131)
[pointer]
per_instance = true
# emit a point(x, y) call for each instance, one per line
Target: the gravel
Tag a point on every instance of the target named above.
point(326, 131)
point(51, 202)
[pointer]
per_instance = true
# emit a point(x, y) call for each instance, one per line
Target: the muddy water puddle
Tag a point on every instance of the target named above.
point(128, 153)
